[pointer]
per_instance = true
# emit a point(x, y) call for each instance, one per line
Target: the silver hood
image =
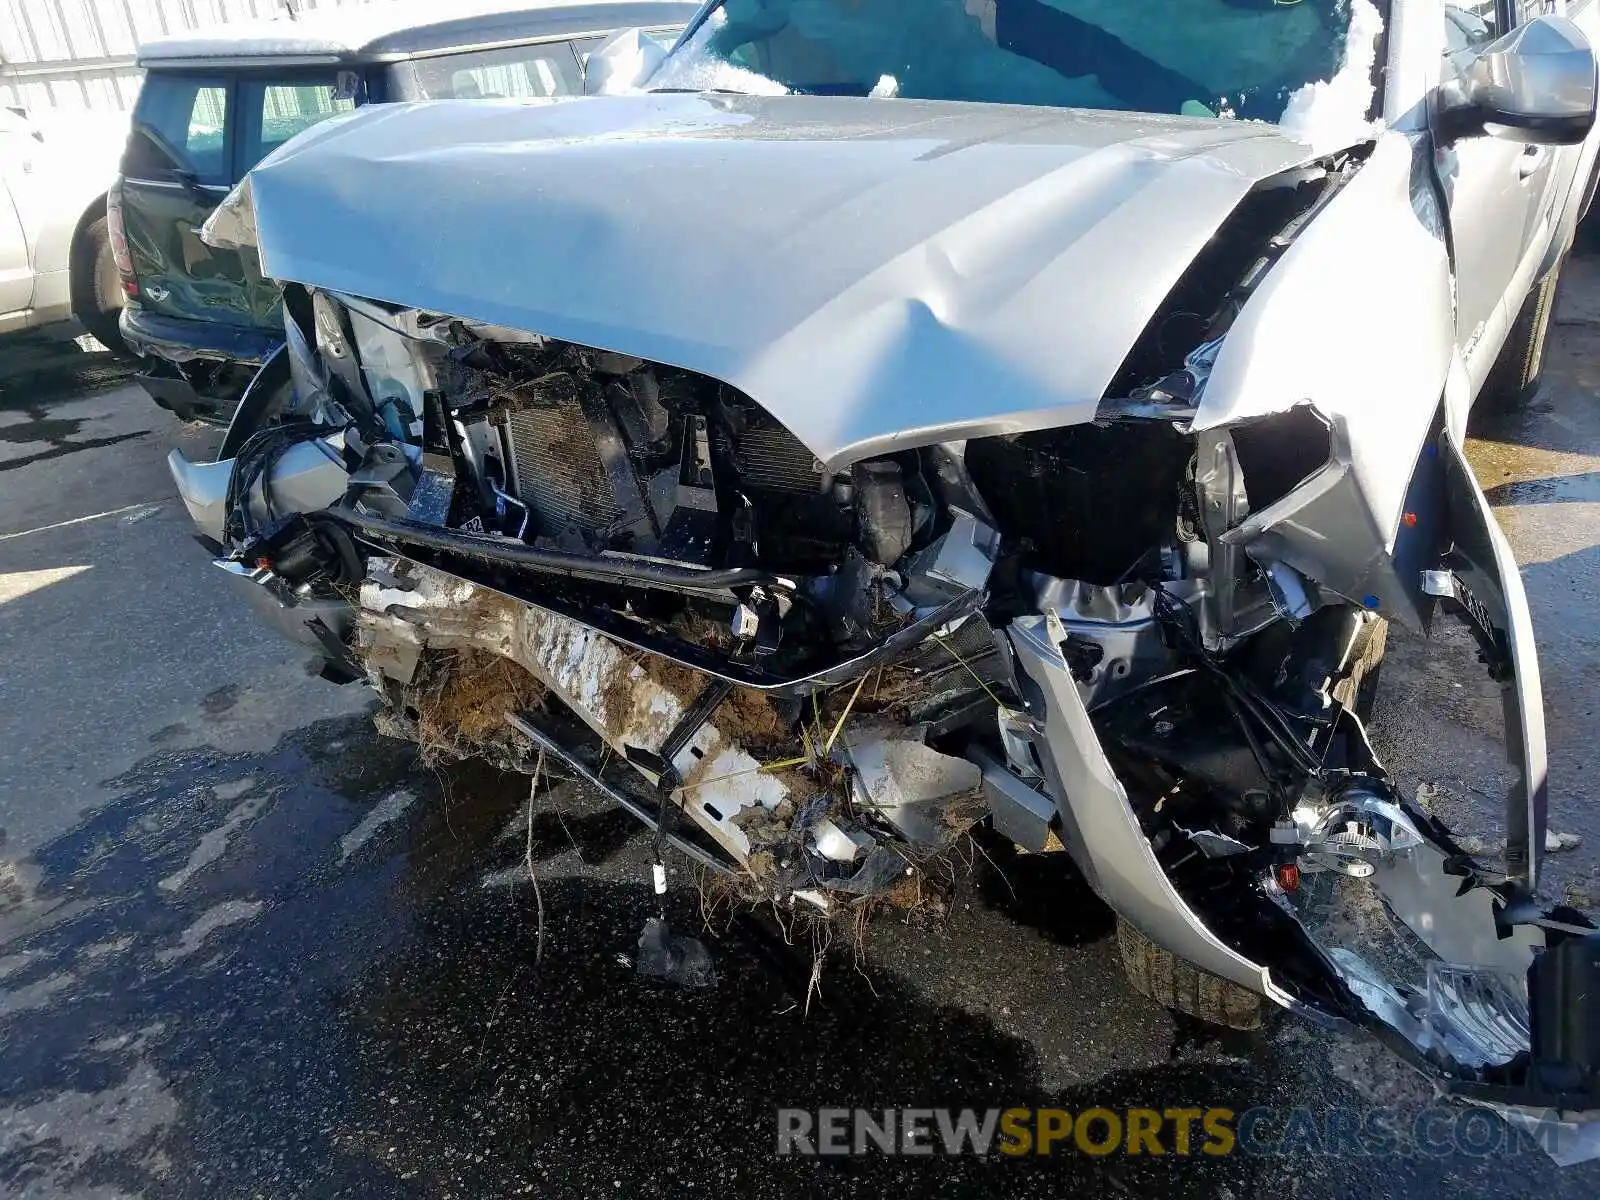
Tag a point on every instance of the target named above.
point(874, 273)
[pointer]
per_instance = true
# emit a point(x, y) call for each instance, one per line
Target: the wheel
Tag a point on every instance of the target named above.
point(1184, 987)
point(1514, 378)
point(97, 287)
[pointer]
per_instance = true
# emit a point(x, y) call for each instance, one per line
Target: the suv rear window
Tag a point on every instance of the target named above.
point(180, 124)
point(217, 127)
point(277, 109)
point(544, 69)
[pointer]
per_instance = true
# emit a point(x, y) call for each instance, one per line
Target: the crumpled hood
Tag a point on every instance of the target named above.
point(875, 273)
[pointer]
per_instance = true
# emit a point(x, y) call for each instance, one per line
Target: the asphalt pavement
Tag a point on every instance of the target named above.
point(248, 947)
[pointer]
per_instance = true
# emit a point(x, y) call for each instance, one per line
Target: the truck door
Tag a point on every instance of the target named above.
point(1496, 191)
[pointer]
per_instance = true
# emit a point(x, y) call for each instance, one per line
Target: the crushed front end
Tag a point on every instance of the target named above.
point(1146, 639)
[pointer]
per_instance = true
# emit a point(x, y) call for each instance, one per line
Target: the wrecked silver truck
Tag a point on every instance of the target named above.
point(818, 475)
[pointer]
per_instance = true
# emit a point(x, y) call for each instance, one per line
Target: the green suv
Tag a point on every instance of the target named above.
point(214, 103)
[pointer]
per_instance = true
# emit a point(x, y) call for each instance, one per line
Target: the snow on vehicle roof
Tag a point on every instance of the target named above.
point(396, 29)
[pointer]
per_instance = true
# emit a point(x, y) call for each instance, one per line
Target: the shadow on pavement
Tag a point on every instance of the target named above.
point(36, 370)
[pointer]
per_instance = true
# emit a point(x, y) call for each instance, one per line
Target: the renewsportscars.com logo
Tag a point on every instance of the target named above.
point(1012, 1131)
point(1433, 1132)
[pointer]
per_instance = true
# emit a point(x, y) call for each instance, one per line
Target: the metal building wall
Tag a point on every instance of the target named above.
point(78, 54)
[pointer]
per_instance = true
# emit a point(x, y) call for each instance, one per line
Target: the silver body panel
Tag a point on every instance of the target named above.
point(947, 270)
point(1114, 851)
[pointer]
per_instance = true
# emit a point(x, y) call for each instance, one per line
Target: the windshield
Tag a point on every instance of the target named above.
point(1223, 58)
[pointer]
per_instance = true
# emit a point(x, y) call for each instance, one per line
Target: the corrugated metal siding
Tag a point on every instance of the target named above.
point(78, 54)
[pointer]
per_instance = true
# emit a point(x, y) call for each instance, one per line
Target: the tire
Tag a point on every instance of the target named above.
point(1514, 378)
point(97, 287)
point(1184, 987)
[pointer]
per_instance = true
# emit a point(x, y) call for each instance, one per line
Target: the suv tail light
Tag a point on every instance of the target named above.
point(117, 235)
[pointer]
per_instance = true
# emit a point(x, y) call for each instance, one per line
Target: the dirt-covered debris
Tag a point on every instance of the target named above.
point(766, 827)
point(815, 838)
point(460, 699)
point(747, 717)
point(753, 719)
point(837, 934)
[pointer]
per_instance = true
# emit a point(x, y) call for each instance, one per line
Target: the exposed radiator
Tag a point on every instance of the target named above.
point(773, 459)
point(557, 468)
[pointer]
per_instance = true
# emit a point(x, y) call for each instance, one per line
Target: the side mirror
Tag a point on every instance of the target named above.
point(1536, 84)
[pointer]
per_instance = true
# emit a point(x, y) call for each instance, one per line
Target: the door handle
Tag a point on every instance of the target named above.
point(1532, 159)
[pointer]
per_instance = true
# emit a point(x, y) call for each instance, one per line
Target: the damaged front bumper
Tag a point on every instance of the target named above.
point(1174, 704)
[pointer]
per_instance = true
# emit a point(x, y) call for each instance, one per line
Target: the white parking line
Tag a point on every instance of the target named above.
point(112, 512)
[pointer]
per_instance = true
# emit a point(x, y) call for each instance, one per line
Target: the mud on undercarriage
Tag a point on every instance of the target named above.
point(814, 679)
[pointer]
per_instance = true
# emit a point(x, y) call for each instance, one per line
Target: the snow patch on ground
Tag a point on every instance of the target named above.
point(33, 995)
point(114, 945)
point(60, 1134)
point(1332, 113)
point(505, 877)
point(234, 788)
point(379, 815)
point(214, 842)
point(219, 916)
